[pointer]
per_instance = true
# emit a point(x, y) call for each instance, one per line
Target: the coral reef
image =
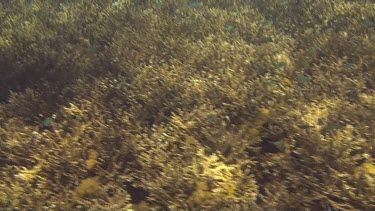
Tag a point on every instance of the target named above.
point(187, 105)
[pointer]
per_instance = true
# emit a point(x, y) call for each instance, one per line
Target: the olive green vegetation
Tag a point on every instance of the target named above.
point(187, 105)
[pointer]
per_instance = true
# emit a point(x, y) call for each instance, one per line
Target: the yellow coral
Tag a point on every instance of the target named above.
point(29, 174)
point(221, 174)
point(282, 58)
point(92, 161)
point(87, 186)
point(201, 192)
point(264, 114)
point(287, 81)
point(367, 168)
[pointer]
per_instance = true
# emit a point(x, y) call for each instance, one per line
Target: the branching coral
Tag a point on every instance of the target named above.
point(187, 105)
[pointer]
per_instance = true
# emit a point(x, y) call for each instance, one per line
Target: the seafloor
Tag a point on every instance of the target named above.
point(110, 105)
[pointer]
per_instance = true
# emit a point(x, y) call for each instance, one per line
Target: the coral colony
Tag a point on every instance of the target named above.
point(187, 105)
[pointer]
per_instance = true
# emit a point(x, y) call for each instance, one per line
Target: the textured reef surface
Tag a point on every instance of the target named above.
point(187, 105)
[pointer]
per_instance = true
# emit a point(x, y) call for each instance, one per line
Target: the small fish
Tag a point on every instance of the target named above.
point(280, 145)
point(47, 122)
point(303, 79)
point(348, 66)
point(229, 27)
point(211, 116)
point(330, 127)
point(92, 50)
point(116, 4)
point(369, 21)
point(280, 65)
point(194, 4)
point(267, 22)
point(305, 126)
point(328, 207)
point(320, 121)
point(313, 51)
point(285, 2)
point(29, 3)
